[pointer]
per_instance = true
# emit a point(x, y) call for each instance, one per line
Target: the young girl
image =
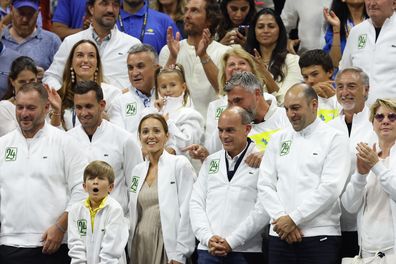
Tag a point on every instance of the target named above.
point(186, 125)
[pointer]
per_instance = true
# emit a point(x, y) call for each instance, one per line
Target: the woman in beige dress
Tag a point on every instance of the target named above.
point(160, 192)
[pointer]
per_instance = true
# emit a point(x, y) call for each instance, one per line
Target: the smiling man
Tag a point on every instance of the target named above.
point(40, 178)
point(103, 140)
point(352, 89)
point(302, 175)
point(227, 225)
point(371, 46)
point(113, 45)
point(127, 108)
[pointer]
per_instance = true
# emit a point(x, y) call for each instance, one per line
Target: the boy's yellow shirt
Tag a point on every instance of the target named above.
point(93, 212)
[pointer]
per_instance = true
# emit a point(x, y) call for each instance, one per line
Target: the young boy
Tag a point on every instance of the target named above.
point(97, 229)
point(317, 70)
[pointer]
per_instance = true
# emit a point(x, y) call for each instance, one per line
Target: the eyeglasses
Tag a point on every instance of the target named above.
point(380, 117)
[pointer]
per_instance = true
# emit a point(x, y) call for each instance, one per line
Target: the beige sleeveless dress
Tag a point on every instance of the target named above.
point(148, 244)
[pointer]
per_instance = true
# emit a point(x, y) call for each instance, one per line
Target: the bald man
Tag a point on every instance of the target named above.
point(302, 175)
point(225, 215)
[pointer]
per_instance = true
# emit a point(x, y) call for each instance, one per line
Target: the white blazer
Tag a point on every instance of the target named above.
point(175, 180)
point(107, 243)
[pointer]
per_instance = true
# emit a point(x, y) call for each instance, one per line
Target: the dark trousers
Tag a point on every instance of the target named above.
point(232, 258)
point(349, 244)
point(15, 255)
point(311, 250)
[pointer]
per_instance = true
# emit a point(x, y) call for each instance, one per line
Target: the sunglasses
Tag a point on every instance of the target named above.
point(380, 117)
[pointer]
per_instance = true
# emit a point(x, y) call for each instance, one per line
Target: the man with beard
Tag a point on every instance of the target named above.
point(146, 24)
point(113, 45)
point(199, 53)
point(352, 89)
point(246, 91)
point(26, 38)
point(40, 178)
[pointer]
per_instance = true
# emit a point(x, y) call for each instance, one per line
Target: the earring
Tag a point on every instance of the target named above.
point(96, 75)
point(73, 79)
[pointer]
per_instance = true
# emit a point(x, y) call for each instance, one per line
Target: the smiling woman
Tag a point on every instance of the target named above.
point(159, 199)
point(83, 64)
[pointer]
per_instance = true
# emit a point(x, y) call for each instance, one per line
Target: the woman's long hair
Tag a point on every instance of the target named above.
point(341, 10)
point(17, 66)
point(278, 57)
point(226, 24)
point(66, 91)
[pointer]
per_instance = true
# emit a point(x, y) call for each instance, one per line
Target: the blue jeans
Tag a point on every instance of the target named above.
point(311, 250)
point(232, 258)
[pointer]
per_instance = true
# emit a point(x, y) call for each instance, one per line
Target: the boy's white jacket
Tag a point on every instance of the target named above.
point(302, 175)
point(107, 243)
point(117, 147)
point(226, 208)
point(40, 178)
point(175, 180)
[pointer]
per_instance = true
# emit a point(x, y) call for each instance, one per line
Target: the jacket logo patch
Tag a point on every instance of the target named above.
point(285, 147)
point(131, 109)
point(362, 39)
point(219, 110)
point(11, 154)
point(135, 183)
point(82, 227)
point(214, 166)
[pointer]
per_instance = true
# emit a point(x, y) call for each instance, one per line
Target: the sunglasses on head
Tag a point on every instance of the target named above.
point(380, 117)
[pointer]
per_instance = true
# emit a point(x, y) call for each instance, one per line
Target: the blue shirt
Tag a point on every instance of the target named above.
point(7, 56)
point(70, 13)
point(155, 29)
point(41, 46)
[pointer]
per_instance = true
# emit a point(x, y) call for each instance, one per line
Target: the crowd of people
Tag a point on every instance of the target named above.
point(197, 131)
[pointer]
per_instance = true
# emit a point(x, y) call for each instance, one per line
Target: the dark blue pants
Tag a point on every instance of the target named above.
point(14, 255)
point(349, 244)
point(232, 258)
point(311, 250)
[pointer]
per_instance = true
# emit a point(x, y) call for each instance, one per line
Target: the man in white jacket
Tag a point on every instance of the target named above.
point(40, 178)
point(225, 214)
point(302, 175)
point(245, 90)
point(371, 46)
point(352, 89)
point(126, 109)
point(103, 140)
point(113, 45)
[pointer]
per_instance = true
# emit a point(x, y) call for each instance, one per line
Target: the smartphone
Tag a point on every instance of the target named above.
point(243, 29)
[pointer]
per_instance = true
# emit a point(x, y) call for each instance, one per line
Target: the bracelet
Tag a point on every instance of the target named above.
point(336, 32)
point(60, 228)
point(205, 61)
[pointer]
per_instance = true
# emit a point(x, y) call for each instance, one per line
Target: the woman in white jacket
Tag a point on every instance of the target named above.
point(372, 189)
point(159, 200)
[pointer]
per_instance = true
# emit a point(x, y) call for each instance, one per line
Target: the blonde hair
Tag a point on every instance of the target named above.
point(99, 168)
point(387, 103)
point(240, 53)
point(179, 70)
